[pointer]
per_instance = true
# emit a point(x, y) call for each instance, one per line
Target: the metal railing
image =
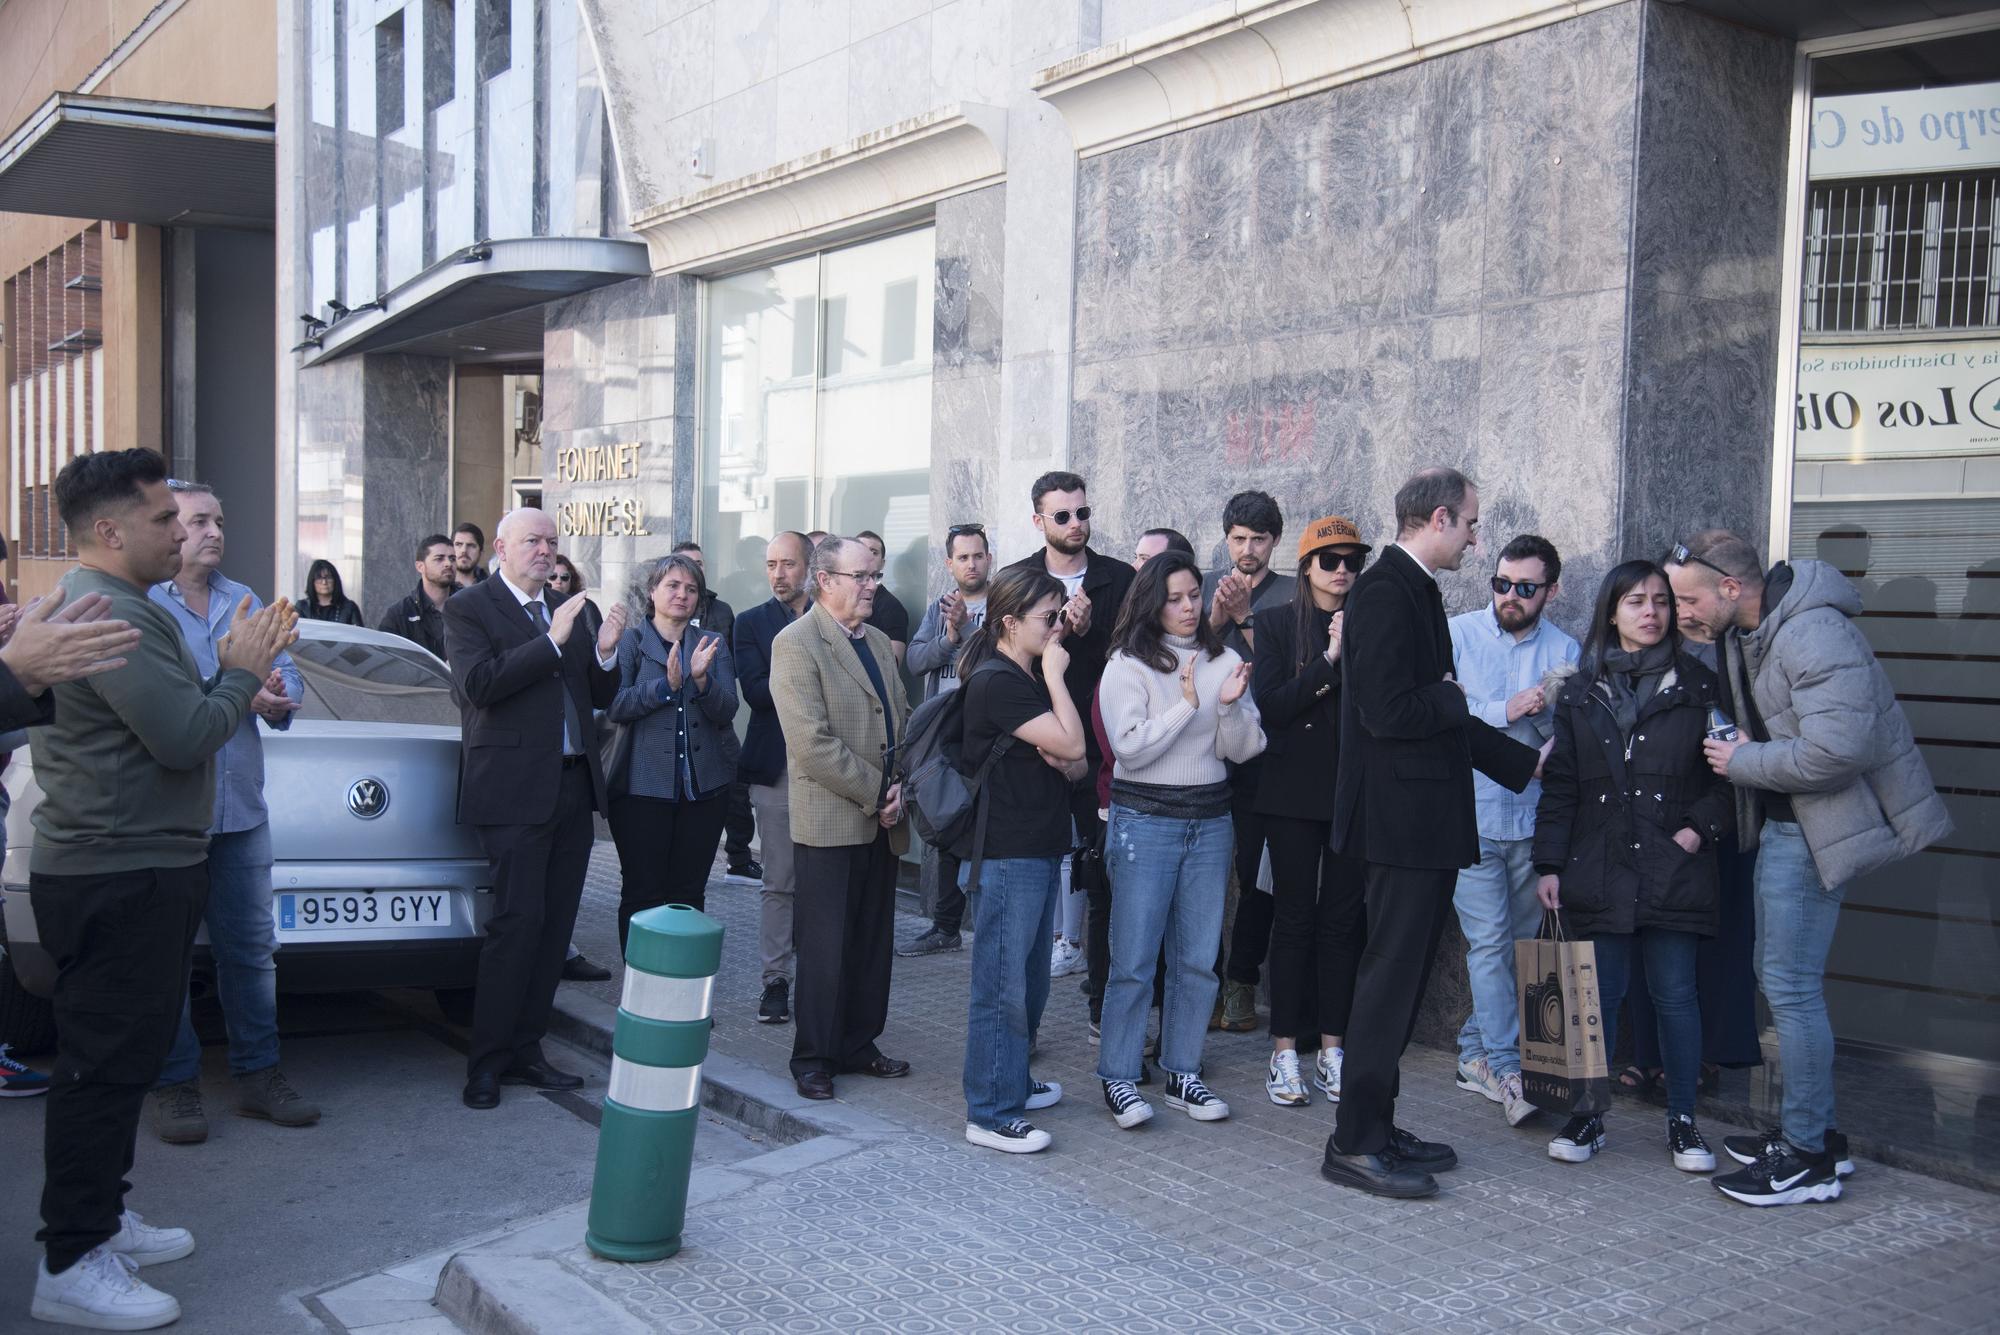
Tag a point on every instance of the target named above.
point(1910, 253)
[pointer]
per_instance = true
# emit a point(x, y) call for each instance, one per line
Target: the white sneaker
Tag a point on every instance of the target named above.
point(147, 1245)
point(1478, 1078)
point(1326, 1072)
point(1513, 1100)
point(1066, 958)
point(1283, 1082)
point(102, 1291)
point(1017, 1137)
point(1043, 1094)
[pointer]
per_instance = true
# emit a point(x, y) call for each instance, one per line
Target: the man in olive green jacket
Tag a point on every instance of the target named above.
point(841, 704)
point(118, 878)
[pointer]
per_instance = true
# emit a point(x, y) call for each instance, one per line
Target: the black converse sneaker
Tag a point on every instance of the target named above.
point(1122, 1097)
point(1187, 1093)
point(1043, 1094)
point(1016, 1137)
point(1577, 1141)
point(1783, 1176)
point(1691, 1153)
point(1749, 1149)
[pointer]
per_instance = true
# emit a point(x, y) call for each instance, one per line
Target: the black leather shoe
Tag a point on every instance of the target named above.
point(1378, 1175)
point(541, 1075)
point(1430, 1155)
point(482, 1092)
point(577, 969)
point(884, 1068)
point(815, 1085)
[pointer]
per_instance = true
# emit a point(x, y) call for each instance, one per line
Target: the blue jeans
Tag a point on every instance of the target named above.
point(1012, 934)
point(242, 937)
point(1669, 972)
point(1496, 907)
point(1168, 881)
point(1796, 916)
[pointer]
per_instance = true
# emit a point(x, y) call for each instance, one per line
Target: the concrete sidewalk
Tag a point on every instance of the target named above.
point(885, 1218)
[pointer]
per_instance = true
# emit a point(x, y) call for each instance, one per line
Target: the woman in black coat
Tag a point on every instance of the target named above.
point(1627, 829)
point(325, 600)
point(1319, 920)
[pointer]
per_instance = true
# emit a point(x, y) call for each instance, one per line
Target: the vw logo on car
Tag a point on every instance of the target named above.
point(368, 798)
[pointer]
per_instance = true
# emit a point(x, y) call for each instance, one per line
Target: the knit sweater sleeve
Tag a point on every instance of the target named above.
point(1137, 740)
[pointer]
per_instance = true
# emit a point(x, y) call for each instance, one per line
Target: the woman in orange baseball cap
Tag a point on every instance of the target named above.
point(1319, 921)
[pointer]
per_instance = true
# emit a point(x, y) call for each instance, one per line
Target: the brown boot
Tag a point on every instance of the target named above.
point(1239, 1008)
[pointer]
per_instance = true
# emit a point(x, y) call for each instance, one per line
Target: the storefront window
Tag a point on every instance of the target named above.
point(1896, 481)
point(816, 409)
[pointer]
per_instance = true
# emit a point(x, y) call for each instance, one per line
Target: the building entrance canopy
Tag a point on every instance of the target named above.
point(167, 164)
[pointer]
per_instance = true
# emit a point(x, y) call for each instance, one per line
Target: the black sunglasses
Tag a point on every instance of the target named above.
point(1061, 517)
point(1329, 560)
point(1527, 588)
point(963, 530)
point(1681, 556)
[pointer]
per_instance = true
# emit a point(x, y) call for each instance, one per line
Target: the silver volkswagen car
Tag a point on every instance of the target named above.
point(375, 883)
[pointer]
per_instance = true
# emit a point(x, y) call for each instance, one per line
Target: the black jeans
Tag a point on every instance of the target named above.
point(949, 915)
point(1097, 895)
point(741, 827)
point(1406, 912)
point(1320, 924)
point(1250, 933)
point(122, 944)
point(665, 850)
point(538, 875)
point(843, 923)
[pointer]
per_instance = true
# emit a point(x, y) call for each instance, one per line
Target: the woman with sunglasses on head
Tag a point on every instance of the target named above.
point(677, 697)
point(1627, 829)
point(1027, 721)
point(1176, 706)
point(1319, 912)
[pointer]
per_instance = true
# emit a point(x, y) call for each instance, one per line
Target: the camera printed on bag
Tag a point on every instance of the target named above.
point(1545, 1020)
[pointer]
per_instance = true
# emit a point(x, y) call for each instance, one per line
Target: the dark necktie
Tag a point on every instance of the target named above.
point(572, 729)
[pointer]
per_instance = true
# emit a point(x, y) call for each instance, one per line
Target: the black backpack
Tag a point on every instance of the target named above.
point(946, 803)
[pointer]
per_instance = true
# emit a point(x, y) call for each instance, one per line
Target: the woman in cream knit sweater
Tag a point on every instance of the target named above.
point(1176, 705)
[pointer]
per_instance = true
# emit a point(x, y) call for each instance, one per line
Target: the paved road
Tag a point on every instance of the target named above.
point(397, 1167)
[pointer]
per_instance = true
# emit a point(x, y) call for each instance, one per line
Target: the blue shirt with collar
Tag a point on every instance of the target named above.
point(239, 766)
point(1493, 667)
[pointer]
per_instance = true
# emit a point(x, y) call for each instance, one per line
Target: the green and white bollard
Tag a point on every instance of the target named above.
point(645, 1143)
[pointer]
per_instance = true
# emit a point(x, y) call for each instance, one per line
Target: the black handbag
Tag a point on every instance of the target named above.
point(614, 753)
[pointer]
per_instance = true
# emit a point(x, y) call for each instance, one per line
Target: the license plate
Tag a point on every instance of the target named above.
point(339, 911)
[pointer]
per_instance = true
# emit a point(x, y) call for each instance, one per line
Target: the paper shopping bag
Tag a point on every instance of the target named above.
point(1564, 1066)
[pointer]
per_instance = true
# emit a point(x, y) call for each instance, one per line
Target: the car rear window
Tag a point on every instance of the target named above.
point(367, 682)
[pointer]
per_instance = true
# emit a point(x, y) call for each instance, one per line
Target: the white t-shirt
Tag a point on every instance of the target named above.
point(1072, 584)
point(975, 617)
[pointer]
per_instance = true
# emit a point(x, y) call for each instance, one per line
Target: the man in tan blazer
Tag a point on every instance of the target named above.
point(841, 705)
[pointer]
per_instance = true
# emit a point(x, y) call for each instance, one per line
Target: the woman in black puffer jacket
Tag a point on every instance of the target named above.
point(1627, 828)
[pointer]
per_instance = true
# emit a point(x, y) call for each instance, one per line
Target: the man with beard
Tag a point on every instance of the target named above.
point(761, 765)
point(419, 618)
point(1095, 586)
point(947, 624)
point(1251, 527)
point(468, 545)
point(1502, 655)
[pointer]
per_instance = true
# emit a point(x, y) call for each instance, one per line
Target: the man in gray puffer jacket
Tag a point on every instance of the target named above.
point(1830, 786)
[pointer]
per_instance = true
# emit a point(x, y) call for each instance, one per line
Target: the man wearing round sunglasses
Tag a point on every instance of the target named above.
point(1501, 655)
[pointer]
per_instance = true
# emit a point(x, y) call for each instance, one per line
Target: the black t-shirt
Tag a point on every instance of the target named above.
point(1029, 816)
point(890, 616)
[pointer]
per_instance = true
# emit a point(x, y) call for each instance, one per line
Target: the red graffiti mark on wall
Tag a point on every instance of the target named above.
point(1281, 434)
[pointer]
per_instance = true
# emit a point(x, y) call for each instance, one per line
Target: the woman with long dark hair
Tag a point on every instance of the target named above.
point(1319, 914)
point(1176, 707)
point(1029, 718)
point(566, 582)
point(1627, 829)
point(677, 696)
point(325, 600)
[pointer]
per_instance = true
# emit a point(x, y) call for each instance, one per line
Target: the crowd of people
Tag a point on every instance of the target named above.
point(1143, 742)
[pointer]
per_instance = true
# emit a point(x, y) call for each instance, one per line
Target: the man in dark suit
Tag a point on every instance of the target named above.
point(1403, 805)
point(527, 680)
point(1095, 586)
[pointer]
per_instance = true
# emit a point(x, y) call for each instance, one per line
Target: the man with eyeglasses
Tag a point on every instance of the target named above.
point(841, 704)
point(1829, 787)
point(1095, 586)
point(948, 623)
point(1502, 655)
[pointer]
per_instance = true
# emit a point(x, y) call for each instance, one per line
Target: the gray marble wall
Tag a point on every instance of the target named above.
point(611, 375)
point(965, 366)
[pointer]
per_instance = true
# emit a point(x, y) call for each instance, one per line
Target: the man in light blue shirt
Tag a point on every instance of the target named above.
point(241, 934)
point(1502, 655)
